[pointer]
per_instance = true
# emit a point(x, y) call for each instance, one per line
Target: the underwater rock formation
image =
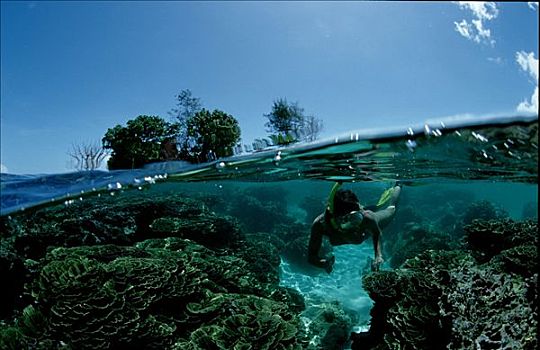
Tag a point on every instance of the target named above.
point(160, 294)
point(482, 298)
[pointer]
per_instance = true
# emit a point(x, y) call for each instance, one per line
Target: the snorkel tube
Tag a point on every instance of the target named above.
point(330, 205)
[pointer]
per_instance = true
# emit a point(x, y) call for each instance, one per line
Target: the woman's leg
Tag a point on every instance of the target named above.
point(386, 215)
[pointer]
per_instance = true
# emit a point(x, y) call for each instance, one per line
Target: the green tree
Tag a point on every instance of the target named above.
point(143, 140)
point(285, 121)
point(186, 107)
point(211, 132)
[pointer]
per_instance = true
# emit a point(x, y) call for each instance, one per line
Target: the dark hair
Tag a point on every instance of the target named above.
point(345, 201)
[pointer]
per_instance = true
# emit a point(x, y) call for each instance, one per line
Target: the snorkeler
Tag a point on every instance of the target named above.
point(346, 221)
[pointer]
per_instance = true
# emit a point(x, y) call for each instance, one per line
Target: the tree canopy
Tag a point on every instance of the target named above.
point(143, 140)
point(212, 132)
point(289, 124)
point(186, 106)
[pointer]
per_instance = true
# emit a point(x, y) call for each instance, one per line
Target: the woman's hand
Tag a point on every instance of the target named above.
point(376, 264)
point(329, 264)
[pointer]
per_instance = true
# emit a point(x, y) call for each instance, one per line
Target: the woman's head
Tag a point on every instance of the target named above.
point(345, 201)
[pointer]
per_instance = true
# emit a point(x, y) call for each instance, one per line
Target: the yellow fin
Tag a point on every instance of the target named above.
point(385, 196)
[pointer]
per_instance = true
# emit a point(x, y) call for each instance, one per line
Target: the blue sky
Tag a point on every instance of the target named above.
point(70, 70)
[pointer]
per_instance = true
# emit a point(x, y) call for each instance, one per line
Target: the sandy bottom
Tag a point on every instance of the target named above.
point(344, 284)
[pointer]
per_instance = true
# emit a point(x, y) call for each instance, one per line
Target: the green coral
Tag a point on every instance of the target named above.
point(489, 310)
point(239, 322)
point(122, 220)
point(488, 238)
point(484, 298)
point(157, 294)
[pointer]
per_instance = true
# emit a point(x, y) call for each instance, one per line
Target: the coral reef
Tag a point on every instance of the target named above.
point(259, 209)
point(137, 272)
point(328, 326)
point(486, 239)
point(13, 274)
point(417, 238)
point(160, 294)
point(482, 298)
point(126, 219)
point(487, 310)
point(482, 210)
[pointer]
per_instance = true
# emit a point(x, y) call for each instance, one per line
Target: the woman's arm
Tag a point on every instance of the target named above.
point(376, 233)
point(315, 242)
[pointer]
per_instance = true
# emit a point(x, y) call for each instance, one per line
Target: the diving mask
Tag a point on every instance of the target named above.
point(350, 221)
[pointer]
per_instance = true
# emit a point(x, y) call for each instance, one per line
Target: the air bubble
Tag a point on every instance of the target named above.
point(479, 137)
point(484, 154)
point(115, 186)
point(277, 158)
point(220, 165)
point(149, 179)
point(411, 145)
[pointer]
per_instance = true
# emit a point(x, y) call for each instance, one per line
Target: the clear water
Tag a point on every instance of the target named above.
point(494, 159)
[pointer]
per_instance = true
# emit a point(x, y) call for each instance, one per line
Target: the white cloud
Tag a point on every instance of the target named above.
point(464, 29)
point(476, 30)
point(3, 168)
point(497, 60)
point(533, 5)
point(529, 64)
point(481, 10)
